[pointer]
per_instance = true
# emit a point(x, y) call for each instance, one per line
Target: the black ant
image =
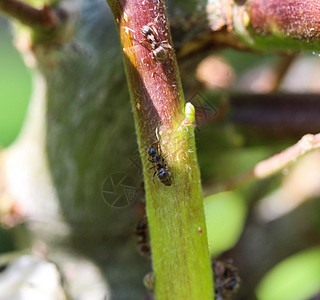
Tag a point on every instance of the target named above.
point(161, 168)
point(159, 48)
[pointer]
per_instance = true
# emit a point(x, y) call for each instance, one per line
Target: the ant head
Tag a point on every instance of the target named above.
point(152, 151)
point(146, 30)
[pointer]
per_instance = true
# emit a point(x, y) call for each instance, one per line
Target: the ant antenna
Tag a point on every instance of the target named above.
point(157, 134)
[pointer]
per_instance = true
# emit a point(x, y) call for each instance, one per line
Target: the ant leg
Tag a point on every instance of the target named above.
point(167, 155)
point(152, 167)
point(165, 44)
point(153, 59)
point(153, 25)
point(127, 29)
point(144, 43)
point(154, 174)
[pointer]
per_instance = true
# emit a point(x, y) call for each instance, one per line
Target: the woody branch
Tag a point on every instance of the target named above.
point(42, 19)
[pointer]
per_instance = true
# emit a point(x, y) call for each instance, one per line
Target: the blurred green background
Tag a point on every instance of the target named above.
point(15, 90)
point(15, 87)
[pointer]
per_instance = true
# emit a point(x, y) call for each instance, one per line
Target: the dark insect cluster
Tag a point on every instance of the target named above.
point(226, 279)
point(159, 48)
point(162, 172)
point(143, 238)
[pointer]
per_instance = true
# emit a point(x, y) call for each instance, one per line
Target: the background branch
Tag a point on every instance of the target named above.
point(276, 115)
point(282, 160)
point(44, 19)
point(272, 165)
point(276, 25)
point(299, 19)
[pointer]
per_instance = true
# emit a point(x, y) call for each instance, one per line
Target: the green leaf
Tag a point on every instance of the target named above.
point(295, 278)
point(225, 217)
point(15, 89)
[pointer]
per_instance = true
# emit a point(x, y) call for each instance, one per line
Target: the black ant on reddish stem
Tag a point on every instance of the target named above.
point(162, 172)
point(159, 48)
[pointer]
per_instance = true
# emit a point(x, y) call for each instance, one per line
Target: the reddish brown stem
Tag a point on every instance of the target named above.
point(294, 18)
point(45, 18)
point(155, 84)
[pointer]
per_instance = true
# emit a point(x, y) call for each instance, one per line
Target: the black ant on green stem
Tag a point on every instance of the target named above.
point(163, 174)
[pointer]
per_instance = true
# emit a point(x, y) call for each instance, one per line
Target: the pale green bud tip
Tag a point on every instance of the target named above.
point(245, 19)
point(190, 112)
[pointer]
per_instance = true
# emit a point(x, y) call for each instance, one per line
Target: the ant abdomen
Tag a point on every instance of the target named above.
point(165, 177)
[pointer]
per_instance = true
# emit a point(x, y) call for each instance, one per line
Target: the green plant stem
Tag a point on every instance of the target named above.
point(180, 255)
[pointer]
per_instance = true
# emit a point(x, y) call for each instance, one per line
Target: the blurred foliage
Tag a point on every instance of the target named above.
point(295, 278)
point(15, 88)
point(233, 151)
point(6, 243)
point(242, 61)
point(225, 216)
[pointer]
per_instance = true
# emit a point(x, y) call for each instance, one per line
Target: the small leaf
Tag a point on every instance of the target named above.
point(225, 217)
